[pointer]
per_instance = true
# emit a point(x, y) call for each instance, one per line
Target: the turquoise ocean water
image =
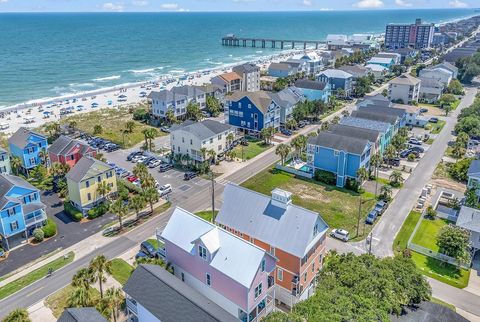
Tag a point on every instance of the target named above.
point(47, 55)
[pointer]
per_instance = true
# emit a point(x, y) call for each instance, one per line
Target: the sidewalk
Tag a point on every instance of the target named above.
point(81, 249)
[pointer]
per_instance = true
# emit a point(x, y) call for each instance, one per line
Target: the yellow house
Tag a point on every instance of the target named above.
point(83, 181)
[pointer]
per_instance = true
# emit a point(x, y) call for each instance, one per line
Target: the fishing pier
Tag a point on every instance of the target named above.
point(234, 41)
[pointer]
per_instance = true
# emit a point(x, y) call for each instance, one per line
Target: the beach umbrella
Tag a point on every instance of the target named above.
point(122, 96)
point(46, 113)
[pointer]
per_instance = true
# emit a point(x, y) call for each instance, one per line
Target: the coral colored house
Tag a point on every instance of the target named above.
point(69, 151)
point(294, 235)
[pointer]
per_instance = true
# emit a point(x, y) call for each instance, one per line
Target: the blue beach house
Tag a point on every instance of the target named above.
point(313, 90)
point(386, 62)
point(252, 111)
point(337, 79)
point(27, 145)
point(338, 154)
point(21, 210)
point(5, 166)
point(385, 129)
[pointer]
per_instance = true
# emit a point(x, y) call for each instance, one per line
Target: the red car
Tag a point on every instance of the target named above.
point(132, 178)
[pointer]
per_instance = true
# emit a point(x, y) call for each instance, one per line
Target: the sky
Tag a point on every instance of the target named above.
point(222, 5)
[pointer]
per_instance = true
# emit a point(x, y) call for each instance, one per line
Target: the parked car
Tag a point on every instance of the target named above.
point(418, 149)
point(371, 217)
point(341, 234)
point(286, 132)
point(132, 178)
point(141, 255)
point(154, 163)
point(142, 159)
point(414, 141)
point(244, 142)
point(221, 156)
point(424, 110)
point(433, 120)
point(148, 249)
point(393, 162)
point(133, 154)
point(165, 129)
point(380, 207)
point(405, 153)
point(189, 175)
point(165, 189)
point(165, 167)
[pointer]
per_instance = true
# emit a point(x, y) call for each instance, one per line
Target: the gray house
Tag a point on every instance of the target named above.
point(81, 314)
point(176, 100)
point(250, 74)
point(469, 219)
point(337, 79)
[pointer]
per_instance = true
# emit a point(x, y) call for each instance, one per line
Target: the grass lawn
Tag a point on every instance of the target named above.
point(441, 171)
point(445, 273)
point(254, 148)
point(121, 270)
point(426, 234)
point(455, 104)
point(337, 206)
point(382, 181)
point(113, 122)
point(437, 127)
point(57, 302)
point(206, 214)
point(442, 303)
point(401, 240)
point(34, 276)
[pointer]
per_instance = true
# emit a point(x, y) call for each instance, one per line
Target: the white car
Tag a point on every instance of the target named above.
point(341, 234)
point(165, 189)
point(142, 159)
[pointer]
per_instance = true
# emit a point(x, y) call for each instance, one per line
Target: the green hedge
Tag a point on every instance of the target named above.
point(50, 229)
point(325, 177)
point(97, 211)
point(71, 211)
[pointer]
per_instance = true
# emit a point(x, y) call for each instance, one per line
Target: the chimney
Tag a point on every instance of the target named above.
point(281, 198)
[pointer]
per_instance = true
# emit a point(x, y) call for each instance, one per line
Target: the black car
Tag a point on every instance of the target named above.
point(406, 153)
point(133, 154)
point(433, 120)
point(165, 167)
point(147, 248)
point(418, 149)
point(393, 162)
point(189, 175)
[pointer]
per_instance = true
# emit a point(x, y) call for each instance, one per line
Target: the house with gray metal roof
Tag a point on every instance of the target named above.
point(229, 270)
point(191, 138)
point(338, 79)
point(287, 99)
point(176, 100)
point(21, 210)
point(356, 132)
point(469, 219)
point(385, 129)
point(266, 221)
point(81, 314)
point(179, 302)
point(281, 70)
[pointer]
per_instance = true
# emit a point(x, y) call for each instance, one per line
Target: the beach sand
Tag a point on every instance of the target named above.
point(34, 114)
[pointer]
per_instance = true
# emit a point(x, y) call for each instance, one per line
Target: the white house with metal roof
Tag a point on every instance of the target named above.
point(469, 219)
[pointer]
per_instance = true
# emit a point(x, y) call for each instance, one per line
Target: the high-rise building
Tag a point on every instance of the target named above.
point(416, 35)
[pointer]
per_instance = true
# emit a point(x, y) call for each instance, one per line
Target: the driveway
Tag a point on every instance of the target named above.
point(69, 232)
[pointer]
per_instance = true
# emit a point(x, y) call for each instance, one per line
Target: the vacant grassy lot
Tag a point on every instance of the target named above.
point(113, 123)
point(121, 270)
point(338, 207)
point(254, 148)
point(401, 240)
point(426, 234)
point(34, 276)
point(206, 214)
point(441, 271)
point(57, 302)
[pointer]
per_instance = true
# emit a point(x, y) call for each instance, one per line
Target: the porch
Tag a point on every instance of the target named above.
point(265, 307)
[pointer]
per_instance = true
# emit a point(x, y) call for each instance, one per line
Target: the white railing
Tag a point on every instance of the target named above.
point(36, 219)
point(430, 253)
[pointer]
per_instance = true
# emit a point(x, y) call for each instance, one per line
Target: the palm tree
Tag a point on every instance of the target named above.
point(43, 155)
point(16, 164)
point(137, 203)
point(80, 297)
point(151, 195)
point(103, 189)
point(148, 181)
point(17, 315)
point(152, 134)
point(396, 178)
point(170, 116)
point(282, 150)
point(130, 126)
point(325, 126)
point(100, 267)
point(230, 137)
point(299, 143)
point(362, 175)
point(203, 153)
point(390, 152)
point(140, 170)
point(212, 154)
point(291, 124)
point(186, 158)
point(82, 278)
point(59, 169)
point(386, 192)
point(113, 301)
point(97, 129)
point(120, 210)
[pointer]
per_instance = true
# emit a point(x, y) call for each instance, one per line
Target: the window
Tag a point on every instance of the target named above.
point(279, 274)
point(202, 252)
point(313, 267)
point(183, 139)
point(29, 150)
point(320, 259)
point(11, 211)
point(32, 161)
point(272, 250)
point(183, 277)
point(262, 266)
point(219, 136)
point(99, 178)
point(191, 142)
point(209, 279)
point(87, 184)
point(89, 196)
point(14, 225)
point(258, 290)
point(305, 277)
point(211, 140)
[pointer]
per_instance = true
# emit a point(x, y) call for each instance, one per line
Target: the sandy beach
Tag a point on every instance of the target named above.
point(38, 112)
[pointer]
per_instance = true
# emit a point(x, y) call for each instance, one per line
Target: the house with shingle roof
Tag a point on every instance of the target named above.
point(84, 179)
point(339, 154)
point(228, 82)
point(230, 271)
point(314, 90)
point(66, 150)
point(21, 210)
point(404, 89)
point(294, 235)
point(385, 129)
point(338, 79)
point(81, 314)
point(28, 146)
point(287, 99)
point(469, 219)
point(190, 137)
point(252, 111)
point(281, 70)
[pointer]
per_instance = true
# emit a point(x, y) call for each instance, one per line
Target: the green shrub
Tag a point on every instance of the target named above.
point(411, 157)
point(352, 184)
point(459, 170)
point(97, 211)
point(131, 187)
point(72, 212)
point(38, 235)
point(325, 177)
point(50, 229)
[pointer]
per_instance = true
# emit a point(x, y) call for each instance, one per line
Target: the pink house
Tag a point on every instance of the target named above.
point(66, 150)
point(228, 270)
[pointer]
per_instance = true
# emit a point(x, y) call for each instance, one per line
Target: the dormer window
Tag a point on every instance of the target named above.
point(202, 252)
point(262, 265)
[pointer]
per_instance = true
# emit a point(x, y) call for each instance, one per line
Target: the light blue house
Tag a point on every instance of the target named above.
point(5, 166)
point(27, 145)
point(281, 70)
point(313, 90)
point(338, 154)
point(386, 62)
point(252, 111)
point(473, 174)
point(337, 79)
point(21, 209)
point(385, 129)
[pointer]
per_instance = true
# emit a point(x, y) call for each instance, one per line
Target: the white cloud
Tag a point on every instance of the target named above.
point(307, 3)
point(3, 1)
point(169, 6)
point(402, 3)
point(369, 4)
point(458, 4)
point(140, 3)
point(112, 6)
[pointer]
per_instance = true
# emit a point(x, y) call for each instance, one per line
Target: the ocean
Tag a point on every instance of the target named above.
point(48, 55)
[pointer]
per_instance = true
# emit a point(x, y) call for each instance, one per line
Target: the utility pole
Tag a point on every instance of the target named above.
point(359, 214)
point(213, 197)
point(370, 238)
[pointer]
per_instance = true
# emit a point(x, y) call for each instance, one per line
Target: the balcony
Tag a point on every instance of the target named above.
point(131, 305)
point(264, 308)
point(38, 217)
